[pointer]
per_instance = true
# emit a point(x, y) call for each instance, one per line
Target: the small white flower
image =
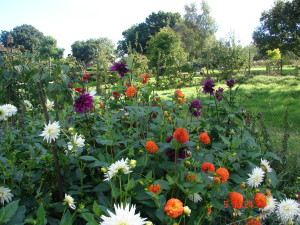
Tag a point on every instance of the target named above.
point(288, 209)
point(269, 209)
point(51, 131)
point(256, 177)
point(5, 195)
point(70, 201)
point(123, 216)
point(27, 104)
point(119, 166)
point(10, 110)
point(92, 93)
point(236, 213)
point(76, 141)
point(187, 210)
point(265, 166)
point(195, 197)
point(3, 113)
point(49, 105)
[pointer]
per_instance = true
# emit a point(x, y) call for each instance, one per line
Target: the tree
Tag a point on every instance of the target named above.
point(137, 36)
point(280, 28)
point(86, 51)
point(228, 57)
point(48, 48)
point(3, 37)
point(197, 31)
point(27, 36)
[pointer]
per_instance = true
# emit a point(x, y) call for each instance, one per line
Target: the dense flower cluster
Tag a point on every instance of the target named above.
point(130, 92)
point(204, 138)
point(223, 174)
point(151, 147)
point(84, 103)
point(181, 135)
point(236, 200)
point(173, 208)
point(230, 82)
point(195, 108)
point(208, 167)
point(155, 188)
point(120, 68)
point(144, 78)
point(123, 215)
point(208, 87)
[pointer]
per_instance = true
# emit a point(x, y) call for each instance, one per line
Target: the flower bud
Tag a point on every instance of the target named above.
point(216, 180)
point(233, 154)
point(103, 170)
point(169, 119)
point(269, 181)
point(71, 129)
point(132, 163)
point(141, 182)
point(100, 104)
point(100, 113)
point(187, 163)
point(257, 190)
point(232, 132)
point(198, 148)
point(166, 114)
point(187, 210)
point(242, 185)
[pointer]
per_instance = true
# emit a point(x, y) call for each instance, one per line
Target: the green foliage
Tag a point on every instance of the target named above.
point(137, 36)
point(118, 130)
point(196, 30)
point(165, 48)
point(228, 58)
point(279, 28)
point(27, 36)
point(274, 55)
point(48, 48)
point(87, 51)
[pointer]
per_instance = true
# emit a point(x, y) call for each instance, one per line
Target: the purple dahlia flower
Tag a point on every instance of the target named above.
point(208, 87)
point(84, 103)
point(195, 108)
point(182, 152)
point(120, 68)
point(219, 93)
point(230, 82)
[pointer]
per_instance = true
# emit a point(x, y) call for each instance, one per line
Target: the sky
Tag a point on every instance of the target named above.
point(79, 20)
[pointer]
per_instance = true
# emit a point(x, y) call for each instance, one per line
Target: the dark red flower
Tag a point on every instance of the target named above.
point(116, 95)
point(120, 68)
point(85, 77)
point(84, 103)
point(80, 90)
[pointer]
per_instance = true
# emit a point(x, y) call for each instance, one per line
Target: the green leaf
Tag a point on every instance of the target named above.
point(166, 165)
point(97, 209)
point(8, 211)
point(88, 158)
point(88, 217)
point(41, 216)
point(197, 188)
point(164, 184)
point(130, 184)
point(67, 219)
point(170, 179)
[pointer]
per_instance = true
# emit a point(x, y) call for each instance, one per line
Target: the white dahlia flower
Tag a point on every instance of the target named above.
point(51, 131)
point(256, 177)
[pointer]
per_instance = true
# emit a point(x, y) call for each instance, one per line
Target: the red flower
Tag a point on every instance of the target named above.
point(223, 174)
point(155, 188)
point(151, 147)
point(173, 208)
point(204, 138)
point(208, 167)
point(80, 90)
point(85, 77)
point(181, 135)
point(144, 78)
point(260, 200)
point(116, 95)
point(236, 200)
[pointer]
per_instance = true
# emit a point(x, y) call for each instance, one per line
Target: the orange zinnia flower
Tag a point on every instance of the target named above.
point(154, 188)
point(130, 92)
point(190, 177)
point(181, 135)
point(236, 200)
point(204, 138)
point(253, 221)
point(144, 78)
point(151, 146)
point(173, 208)
point(208, 167)
point(223, 174)
point(260, 200)
point(181, 100)
point(178, 93)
